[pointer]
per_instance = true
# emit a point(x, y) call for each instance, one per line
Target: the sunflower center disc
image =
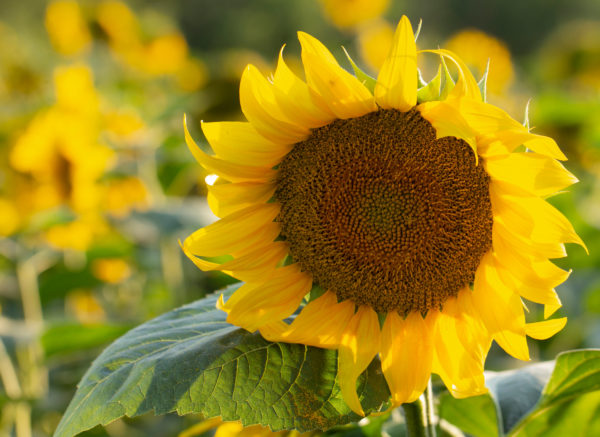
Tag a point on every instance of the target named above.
point(380, 212)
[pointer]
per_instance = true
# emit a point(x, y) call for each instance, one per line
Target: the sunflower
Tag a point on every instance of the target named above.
point(401, 222)
point(476, 48)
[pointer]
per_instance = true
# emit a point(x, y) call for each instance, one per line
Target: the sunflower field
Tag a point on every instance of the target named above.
point(299, 218)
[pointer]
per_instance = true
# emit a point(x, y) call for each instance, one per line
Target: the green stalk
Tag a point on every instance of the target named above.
point(414, 416)
point(430, 410)
point(420, 416)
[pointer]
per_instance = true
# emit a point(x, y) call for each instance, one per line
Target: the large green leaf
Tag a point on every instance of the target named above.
point(191, 361)
point(476, 415)
point(570, 402)
point(553, 398)
point(516, 392)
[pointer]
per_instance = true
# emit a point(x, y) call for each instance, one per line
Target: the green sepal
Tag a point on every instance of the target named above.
point(430, 91)
point(418, 31)
point(526, 116)
point(315, 293)
point(367, 80)
point(483, 82)
point(420, 81)
point(447, 83)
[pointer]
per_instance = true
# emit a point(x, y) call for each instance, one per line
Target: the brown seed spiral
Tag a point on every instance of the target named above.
point(381, 212)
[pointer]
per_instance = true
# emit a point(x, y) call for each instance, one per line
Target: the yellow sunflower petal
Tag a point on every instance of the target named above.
point(545, 329)
point(545, 146)
point(535, 292)
point(321, 322)
point(246, 229)
point(501, 309)
point(360, 343)
point(550, 225)
point(407, 355)
point(448, 122)
point(253, 266)
point(461, 343)
point(485, 118)
point(466, 86)
point(551, 308)
point(227, 170)
point(514, 137)
point(345, 95)
point(533, 172)
point(536, 277)
point(254, 305)
point(501, 234)
point(296, 100)
point(224, 199)
point(261, 109)
point(397, 81)
point(511, 214)
point(240, 143)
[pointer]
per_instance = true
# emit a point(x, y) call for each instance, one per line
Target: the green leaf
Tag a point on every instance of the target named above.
point(550, 399)
point(570, 398)
point(517, 391)
point(578, 418)
point(475, 415)
point(191, 361)
point(575, 372)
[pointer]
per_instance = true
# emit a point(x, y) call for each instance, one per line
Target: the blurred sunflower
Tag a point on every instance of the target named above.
point(61, 156)
point(351, 13)
point(60, 149)
point(162, 55)
point(409, 220)
point(477, 48)
point(10, 217)
point(67, 27)
point(374, 42)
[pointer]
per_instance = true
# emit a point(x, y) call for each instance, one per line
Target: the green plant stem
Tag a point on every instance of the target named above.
point(8, 374)
point(430, 410)
point(420, 416)
point(415, 418)
point(23, 420)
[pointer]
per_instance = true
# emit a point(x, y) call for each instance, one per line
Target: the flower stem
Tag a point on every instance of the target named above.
point(419, 415)
point(430, 410)
point(415, 418)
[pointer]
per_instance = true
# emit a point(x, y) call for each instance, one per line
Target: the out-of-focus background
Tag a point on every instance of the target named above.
point(97, 185)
